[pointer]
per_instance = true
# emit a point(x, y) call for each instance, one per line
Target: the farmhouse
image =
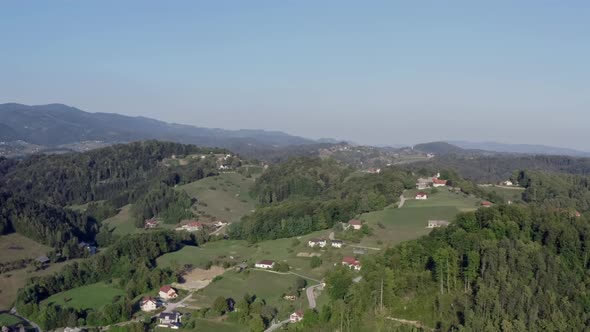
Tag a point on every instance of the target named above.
point(422, 195)
point(167, 292)
point(317, 243)
point(297, 316)
point(42, 259)
point(351, 263)
point(150, 223)
point(265, 264)
point(438, 182)
point(148, 304)
point(169, 319)
point(507, 183)
point(356, 224)
point(437, 223)
point(486, 204)
point(336, 244)
point(290, 297)
point(423, 183)
point(192, 226)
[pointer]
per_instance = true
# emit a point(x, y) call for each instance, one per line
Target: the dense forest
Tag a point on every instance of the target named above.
point(130, 260)
point(308, 194)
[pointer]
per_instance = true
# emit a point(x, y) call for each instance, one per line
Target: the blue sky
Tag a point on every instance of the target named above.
point(375, 72)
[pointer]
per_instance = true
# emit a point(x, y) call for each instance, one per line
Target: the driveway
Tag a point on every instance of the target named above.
point(311, 295)
point(171, 306)
point(402, 201)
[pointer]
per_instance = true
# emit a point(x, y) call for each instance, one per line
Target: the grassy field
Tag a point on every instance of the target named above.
point(207, 325)
point(122, 222)
point(224, 197)
point(265, 285)
point(85, 297)
point(7, 319)
point(443, 197)
point(513, 194)
point(15, 246)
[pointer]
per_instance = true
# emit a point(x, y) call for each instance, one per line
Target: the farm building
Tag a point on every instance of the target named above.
point(42, 259)
point(438, 182)
point(265, 264)
point(356, 224)
point(148, 303)
point(297, 316)
point(507, 183)
point(351, 263)
point(336, 244)
point(422, 196)
point(167, 292)
point(437, 223)
point(192, 226)
point(317, 243)
point(169, 319)
point(150, 223)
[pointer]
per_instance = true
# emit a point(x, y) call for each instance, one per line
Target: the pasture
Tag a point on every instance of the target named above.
point(15, 247)
point(513, 194)
point(122, 222)
point(86, 297)
point(7, 319)
point(225, 197)
point(442, 197)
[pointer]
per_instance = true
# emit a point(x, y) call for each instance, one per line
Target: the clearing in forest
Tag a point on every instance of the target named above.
point(92, 296)
point(15, 247)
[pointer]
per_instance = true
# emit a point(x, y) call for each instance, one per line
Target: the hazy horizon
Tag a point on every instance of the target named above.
point(373, 73)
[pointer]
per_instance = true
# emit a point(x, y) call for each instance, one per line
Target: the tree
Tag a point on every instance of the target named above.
point(338, 282)
point(315, 262)
point(220, 305)
point(256, 324)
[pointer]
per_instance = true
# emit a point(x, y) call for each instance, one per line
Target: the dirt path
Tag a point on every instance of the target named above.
point(363, 247)
point(402, 201)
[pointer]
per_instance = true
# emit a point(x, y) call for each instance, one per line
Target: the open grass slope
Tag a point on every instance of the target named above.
point(224, 197)
point(15, 246)
point(122, 223)
point(91, 296)
point(513, 194)
point(7, 319)
point(442, 197)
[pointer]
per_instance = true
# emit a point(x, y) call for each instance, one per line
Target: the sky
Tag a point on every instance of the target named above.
point(373, 72)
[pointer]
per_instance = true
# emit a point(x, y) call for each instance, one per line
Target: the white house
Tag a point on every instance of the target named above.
point(297, 316)
point(148, 303)
point(422, 196)
point(167, 292)
point(437, 223)
point(265, 264)
point(170, 319)
point(507, 183)
point(317, 243)
point(192, 226)
point(351, 263)
point(336, 244)
point(356, 224)
point(438, 182)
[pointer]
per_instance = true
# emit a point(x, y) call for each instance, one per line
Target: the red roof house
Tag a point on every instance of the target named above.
point(167, 292)
point(486, 204)
point(438, 182)
point(351, 262)
point(421, 195)
point(356, 224)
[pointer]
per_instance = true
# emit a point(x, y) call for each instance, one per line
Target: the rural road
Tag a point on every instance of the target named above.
point(33, 324)
point(402, 200)
point(218, 230)
point(276, 326)
point(363, 247)
point(311, 296)
point(331, 236)
point(172, 306)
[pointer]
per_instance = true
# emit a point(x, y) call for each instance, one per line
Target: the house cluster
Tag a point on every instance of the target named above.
point(265, 264)
point(351, 263)
point(322, 243)
point(437, 223)
point(433, 181)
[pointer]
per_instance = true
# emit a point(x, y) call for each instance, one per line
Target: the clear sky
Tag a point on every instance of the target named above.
point(373, 72)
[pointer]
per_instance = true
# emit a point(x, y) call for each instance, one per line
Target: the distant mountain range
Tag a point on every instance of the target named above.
point(56, 126)
point(520, 148)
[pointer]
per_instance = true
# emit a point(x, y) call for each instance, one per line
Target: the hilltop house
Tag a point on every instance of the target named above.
point(297, 316)
point(486, 204)
point(317, 243)
point(336, 244)
point(265, 264)
point(148, 303)
point(167, 292)
point(356, 224)
point(351, 263)
point(422, 196)
point(169, 319)
point(437, 223)
point(192, 226)
point(438, 182)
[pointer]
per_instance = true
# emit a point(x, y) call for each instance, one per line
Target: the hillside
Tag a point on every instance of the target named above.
point(61, 126)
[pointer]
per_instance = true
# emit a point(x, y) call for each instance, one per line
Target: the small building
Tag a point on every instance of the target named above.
point(437, 223)
point(317, 243)
point(241, 267)
point(577, 214)
point(355, 224)
point(192, 226)
point(351, 263)
point(219, 224)
point(290, 297)
point(336, 244)
point(148, 303)
point(422, 196)
point(42, 259)
point(167, 292)
point(170, 319)
point(374, 170)
point(486, 204)
point(265, 264)
point(297, 316)
point(150, 223)
point(438, 182)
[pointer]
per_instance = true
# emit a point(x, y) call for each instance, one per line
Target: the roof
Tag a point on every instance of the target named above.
point(42, 259)
point(354, 222)
point(148, 299)
point(194, 224)
point(169, 315)
point(266, 262)
point(166, 289)
point(439, 181)
point(336, 241)
point(299, 313)
point(317, 240)
point(421, 194)
point(350, 260)
point(486, 203)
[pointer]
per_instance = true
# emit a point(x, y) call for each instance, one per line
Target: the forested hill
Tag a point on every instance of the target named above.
point(309, 194)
